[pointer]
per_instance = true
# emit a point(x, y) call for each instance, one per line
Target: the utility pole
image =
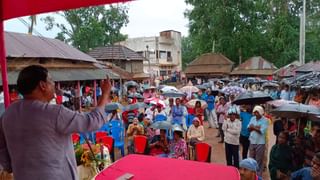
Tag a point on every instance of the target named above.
point(148, 58)
point(302, 43)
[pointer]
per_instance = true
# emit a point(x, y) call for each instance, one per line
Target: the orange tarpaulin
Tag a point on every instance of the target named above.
point(16, 8)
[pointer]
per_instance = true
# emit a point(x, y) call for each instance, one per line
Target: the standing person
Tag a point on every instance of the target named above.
point(168, 109)
point(231, 128)
point(198, 112)
point(280, 165)
point(211, 113)
point(222, 113)
point(245, 117)
point(46, 149)
point(258, 127)
point(178, 113)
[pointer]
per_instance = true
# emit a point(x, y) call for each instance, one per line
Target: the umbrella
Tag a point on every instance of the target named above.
point(161, 125)
point(173, 94)
point(192, 103)
point(207, 85)
point(131, 83)
point(152, 99)
point(189, 89)
point(252, 97)
point(201, 87)
point(112, 107)
point(270, 85)
point(236, 90)
point(113, 89)
point(135, 106)
point(136, 95)
point(169, 88)
point(158, 102)
point(280, 102)
point(297, 110)
point(177, 127)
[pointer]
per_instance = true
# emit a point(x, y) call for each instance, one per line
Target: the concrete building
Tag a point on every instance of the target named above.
point(162, 53)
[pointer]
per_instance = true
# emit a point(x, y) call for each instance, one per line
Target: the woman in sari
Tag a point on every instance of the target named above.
point(178, 146)
point(280, 163)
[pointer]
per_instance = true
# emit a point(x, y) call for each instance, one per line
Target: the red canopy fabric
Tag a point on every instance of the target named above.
point(156, 168)
point(17, 8)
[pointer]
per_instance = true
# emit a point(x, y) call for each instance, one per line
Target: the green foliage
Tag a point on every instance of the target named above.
point(91, 27)
point(246, 28)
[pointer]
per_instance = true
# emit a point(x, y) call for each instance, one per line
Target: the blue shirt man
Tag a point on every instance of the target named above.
point(245, 119)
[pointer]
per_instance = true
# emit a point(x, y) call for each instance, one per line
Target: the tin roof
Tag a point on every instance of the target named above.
point(20, 45)
point(69, 75)
point(210, 63)
point(255, 66)
point(115, 52)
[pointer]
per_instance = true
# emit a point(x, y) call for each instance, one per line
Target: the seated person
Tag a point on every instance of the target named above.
point(134, 129)
point(307, 173)
point(248, 169)
point(195, 132)
point(178, 146)
point(159, 145)
point(280, 161)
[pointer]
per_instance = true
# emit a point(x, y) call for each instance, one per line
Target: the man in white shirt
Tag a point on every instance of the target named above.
point(231, 128)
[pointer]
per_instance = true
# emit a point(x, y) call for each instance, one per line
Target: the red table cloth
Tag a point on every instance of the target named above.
point(150, 167)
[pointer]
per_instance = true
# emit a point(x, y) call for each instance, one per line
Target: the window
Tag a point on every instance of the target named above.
point(163, 72)
point(169, 58)
point(163, 54)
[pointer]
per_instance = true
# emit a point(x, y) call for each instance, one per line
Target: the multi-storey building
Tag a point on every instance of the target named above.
point(162, 53)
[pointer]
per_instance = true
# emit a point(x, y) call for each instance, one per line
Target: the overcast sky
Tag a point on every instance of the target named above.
point(146, 18)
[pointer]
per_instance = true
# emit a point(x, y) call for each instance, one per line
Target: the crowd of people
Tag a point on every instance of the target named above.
point(241, 128)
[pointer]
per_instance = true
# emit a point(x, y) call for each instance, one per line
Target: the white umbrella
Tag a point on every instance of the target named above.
point(169, 88)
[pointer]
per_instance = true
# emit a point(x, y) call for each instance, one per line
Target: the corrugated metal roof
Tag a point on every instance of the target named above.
point(211, 59)
point(309, 67)
point(256, 63)
point(210, 63)
point(69, 75)
point(23, 45)
point(115, 52)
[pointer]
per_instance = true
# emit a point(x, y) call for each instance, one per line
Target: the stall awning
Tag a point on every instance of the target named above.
point(69, 75)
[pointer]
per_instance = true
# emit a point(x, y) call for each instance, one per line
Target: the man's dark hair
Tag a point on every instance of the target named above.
point(30, 77)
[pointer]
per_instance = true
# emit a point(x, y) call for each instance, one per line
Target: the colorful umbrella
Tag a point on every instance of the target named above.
point(192, 103)
point(236, 90)
point(131, 83)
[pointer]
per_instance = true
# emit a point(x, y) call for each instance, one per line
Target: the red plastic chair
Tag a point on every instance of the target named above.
point(75, 138)
point(100, 135)
point(109, 142)
point(203, 152)
point(140, 144)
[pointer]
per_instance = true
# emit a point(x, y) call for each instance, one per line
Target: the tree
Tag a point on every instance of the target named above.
point(91, 27)
point(187, 54)
point(268, 28)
